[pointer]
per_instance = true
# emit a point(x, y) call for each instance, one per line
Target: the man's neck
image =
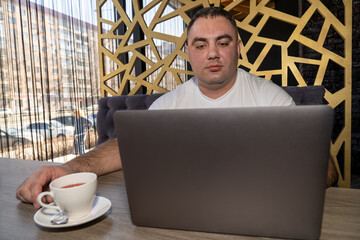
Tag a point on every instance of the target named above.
point(215, 92)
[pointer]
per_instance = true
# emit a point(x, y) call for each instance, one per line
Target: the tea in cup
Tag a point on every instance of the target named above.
point(73, 194)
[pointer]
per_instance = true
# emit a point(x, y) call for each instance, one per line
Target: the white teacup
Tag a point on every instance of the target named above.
point(73, 194)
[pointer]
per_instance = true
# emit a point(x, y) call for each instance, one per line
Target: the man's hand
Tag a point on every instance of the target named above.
point(332, 174)
point(103, 159)
point(38, 182)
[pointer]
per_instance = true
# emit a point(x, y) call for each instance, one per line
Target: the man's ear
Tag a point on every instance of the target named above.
point(238, 47)
point(187, 51)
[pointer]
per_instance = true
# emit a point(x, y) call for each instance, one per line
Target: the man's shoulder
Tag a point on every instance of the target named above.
point(169, 99)
point(181, 88)
point(263, 89)
point(251, 79)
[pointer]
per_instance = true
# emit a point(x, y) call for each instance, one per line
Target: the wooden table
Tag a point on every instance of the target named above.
point(341, 216)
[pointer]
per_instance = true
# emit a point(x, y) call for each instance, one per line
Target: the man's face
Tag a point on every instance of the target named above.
point(213, 50)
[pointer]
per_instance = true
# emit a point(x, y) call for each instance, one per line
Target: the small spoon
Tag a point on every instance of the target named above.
point(60, 219)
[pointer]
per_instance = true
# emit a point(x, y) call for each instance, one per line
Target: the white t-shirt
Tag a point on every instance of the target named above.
point(248, 91)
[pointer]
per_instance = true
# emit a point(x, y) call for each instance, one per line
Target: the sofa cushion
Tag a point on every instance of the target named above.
point(309, 95)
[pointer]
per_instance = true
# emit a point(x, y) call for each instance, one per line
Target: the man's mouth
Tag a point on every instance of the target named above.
point(214, 68)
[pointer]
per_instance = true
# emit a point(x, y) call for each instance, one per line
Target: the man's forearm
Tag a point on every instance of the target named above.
point(103, 159)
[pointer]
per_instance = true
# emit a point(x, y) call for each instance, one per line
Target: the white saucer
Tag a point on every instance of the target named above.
point(100, 206)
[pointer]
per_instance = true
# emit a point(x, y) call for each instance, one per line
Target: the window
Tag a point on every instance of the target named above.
point(66, 52)
point(66, 62)
point(12, 20)
point(81, 63)
point(32, 66)
point(65, 24)
point(81, 55)
point(66, 33)
point(11, 8)
point(65, 44)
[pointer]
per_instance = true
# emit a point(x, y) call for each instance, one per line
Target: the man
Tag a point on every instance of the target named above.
point(81, 125)
point(213, 49)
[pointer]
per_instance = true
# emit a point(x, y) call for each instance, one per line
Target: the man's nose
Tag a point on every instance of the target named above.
point(213, 52)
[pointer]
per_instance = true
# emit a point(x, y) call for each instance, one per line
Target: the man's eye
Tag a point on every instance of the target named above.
point(223, 44)
point(200, 47)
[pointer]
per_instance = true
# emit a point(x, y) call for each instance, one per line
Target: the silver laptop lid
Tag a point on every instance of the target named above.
point(252, 171)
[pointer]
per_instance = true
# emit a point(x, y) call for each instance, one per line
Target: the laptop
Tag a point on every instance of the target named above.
point(252, 171)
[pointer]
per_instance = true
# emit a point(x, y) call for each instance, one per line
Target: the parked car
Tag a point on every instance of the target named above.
point(70, 121)
point(4, 112)
point(52, 129)
point(94, 107)
point(14, 138)
point(32, 111)
point(66, 120)
point(59, 125)
point(67, 109)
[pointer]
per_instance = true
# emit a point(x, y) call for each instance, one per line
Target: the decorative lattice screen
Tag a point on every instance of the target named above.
point(162, 71)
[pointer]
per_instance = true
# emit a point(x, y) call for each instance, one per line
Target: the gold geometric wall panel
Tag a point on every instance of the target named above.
point(161, 70)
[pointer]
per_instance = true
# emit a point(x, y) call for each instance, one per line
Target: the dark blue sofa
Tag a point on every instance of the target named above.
point(309, 95)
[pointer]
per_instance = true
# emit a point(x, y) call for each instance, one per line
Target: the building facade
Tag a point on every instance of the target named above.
point(49, 60)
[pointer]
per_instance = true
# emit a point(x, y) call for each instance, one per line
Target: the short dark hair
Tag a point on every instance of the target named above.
point(212, 12)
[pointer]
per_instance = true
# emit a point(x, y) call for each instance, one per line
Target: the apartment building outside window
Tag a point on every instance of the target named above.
point(38, 77)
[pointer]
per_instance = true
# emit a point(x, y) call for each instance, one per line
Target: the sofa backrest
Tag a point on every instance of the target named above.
point(309, 95)
point(108, 105)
